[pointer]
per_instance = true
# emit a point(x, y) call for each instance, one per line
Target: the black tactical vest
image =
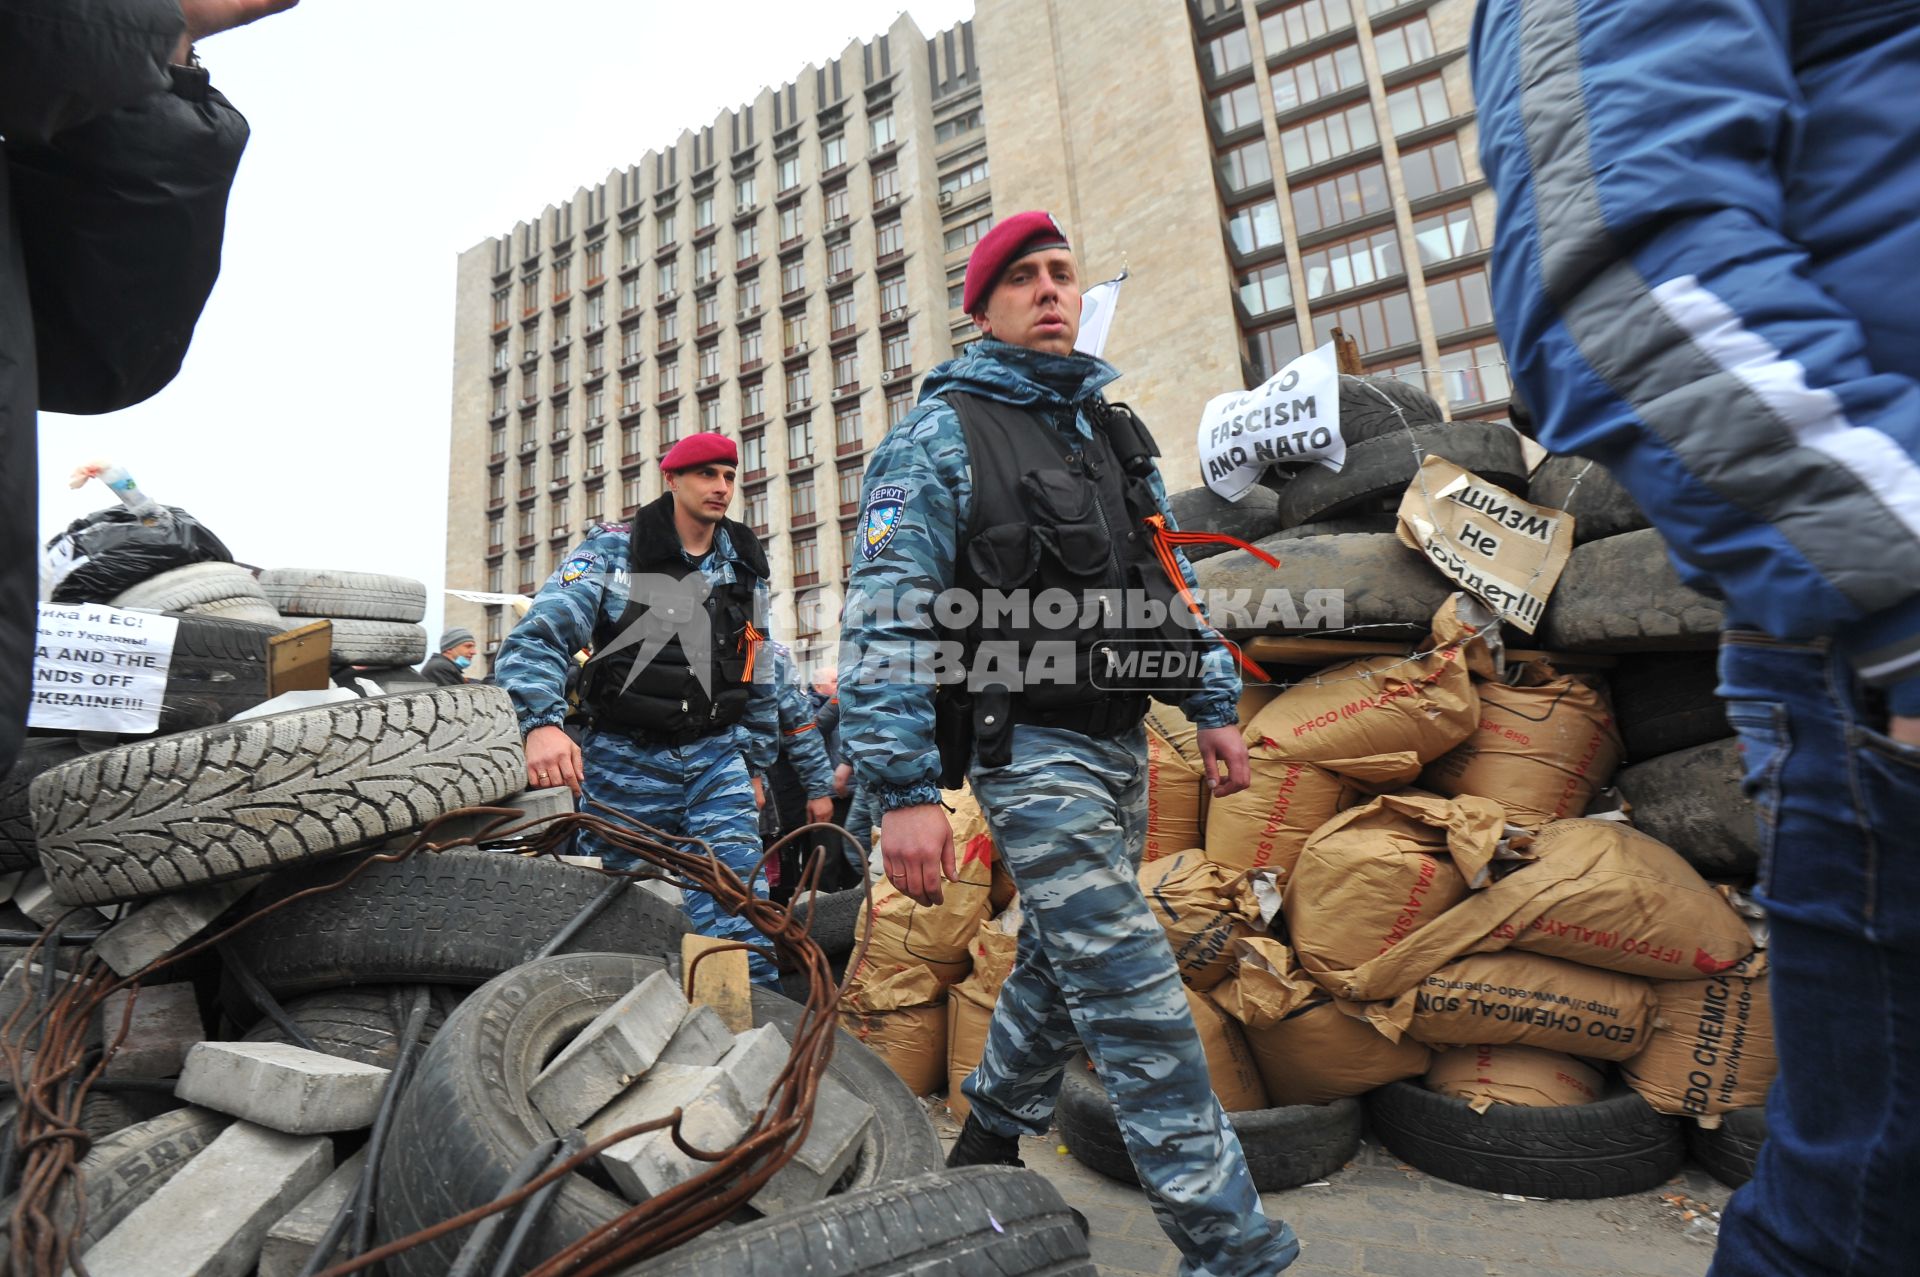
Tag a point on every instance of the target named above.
point(665, 703)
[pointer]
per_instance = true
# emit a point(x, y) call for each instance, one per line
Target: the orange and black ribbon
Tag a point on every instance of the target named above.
point(751, 641)
point(1164, 541)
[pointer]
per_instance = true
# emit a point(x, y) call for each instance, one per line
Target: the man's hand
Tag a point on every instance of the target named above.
point(1224, 745)
point(211, 17)
point(552, 759)
point(917, 846)
point(1904, 730)
point(842, 780)
point(759, 795)
point(819, 810)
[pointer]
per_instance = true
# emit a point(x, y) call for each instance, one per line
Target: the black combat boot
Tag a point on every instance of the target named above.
point(977, 1146)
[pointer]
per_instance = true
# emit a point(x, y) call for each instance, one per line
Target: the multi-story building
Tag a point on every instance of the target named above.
point(1264, 172)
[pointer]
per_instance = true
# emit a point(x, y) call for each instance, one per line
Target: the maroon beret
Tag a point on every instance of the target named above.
point(1014, 237)
point(698, 450)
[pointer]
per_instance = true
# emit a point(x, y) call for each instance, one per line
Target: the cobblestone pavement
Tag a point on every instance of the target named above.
point(1379, 1218)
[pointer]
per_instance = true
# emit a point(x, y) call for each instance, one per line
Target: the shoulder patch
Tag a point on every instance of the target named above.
point(578, 567)
point(882, 519)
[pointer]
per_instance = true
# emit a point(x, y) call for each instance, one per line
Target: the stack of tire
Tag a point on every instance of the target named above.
point(376, 618)
point(1619, 602)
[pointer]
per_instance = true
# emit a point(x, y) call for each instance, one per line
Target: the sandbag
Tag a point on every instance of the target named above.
point(901, 1019)
point(968, 1019)
point(1486, 1075)
point(1202, 908)
point(1308, 1048)
point(1174, 782)
point(1267, 824)
point(1230, 1066)
point(1526, 999)
point(1374, 875)
point(1710, 1050)
point(1545, 743)
point(907, 933)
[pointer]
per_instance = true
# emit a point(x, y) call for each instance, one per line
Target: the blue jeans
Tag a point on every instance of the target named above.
point(1837, 1189)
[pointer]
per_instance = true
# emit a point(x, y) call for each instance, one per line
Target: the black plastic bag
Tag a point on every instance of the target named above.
point(110, 551)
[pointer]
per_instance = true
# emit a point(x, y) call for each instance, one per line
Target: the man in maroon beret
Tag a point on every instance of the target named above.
point(673, 607)
point(1013, 482)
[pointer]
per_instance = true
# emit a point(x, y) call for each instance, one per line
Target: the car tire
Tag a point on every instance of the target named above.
point(1376, 581)
point(833, 915)
point(1623, 595)
point(1378, 470)
point(377, 642)
point(361, 1024)
point(365, 596)
point(1584, 489)
point(1285, 1146)
point(154, 816)
point(1371, 407)
point(1731, 1150)
point(1692, 801)
point(1201, 509)
point(38, 754)
point(1614, 1146)
point(1667, 702)
point(193, 587)
point(465, 1120)
point(1364, 523)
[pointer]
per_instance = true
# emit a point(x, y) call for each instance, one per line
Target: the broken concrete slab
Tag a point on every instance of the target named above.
point(291, 1239)
point(211, 1218)
point(165, 1025)
point(713, 1116)
point(620, 1045)
point(840, 1121)
point(285, 1087)
point(160, 926)
point(755, 1063)
point(700, 1040)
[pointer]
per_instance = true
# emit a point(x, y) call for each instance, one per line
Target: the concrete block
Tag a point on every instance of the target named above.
point(211, 1218)
point(754, 1064)
point(20, 984)
point(34, 897)
point(10, 883)
point(665, 890)
point(700, 1040)
point(160, 926)
point(290, 1241)
point(603, 1060)
point(165, 1026)
point(840, 1121)
point(285, 1087)
point(585, 862)
point(712, 1117)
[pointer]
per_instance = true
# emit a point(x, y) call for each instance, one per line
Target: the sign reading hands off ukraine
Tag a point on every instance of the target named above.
point(1292, 416)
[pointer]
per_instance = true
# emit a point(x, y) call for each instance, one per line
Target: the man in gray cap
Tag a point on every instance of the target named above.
point(448, 666)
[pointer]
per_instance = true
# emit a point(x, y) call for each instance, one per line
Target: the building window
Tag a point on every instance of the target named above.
point(496, 534)
point(793, 330)
point(1236, 108)
point(786, 173)
point(753, 453)
point(753, 401)
point(665, 235)
point(669, 427)
point(746, 243)
point(496, 580)
point(630, 293)
point(841, 314)
point(596, 406)
point(629, 344)
point(706, 310)
point(1416, 105)
point(793, 276)
point(529, 478)
point(562, 418)
point(497, 442)
point(629, 248)
point(1252, 227)
point(497, 487)
point(709, 360)
point(840, 259)
point(668, 327)
point(703, 212)
point(630, 444)
point(560, 466)
point(630, 494)
point(502, 304)
point(886, 184)
point(899, 404)
point(526, 524)
point(961, 179)
point(630, 390)
point(501, 359)
point(596, 261)
point(898, 351)
point(956, 294)
point(889, 239)
point(1432, 169)
point(836, 200)
point(1352, 263)
point(1475, 375)
point(1343, 198)
point(1265, 289)
point(833, 152)
point(1228, 53)
point(1299, 23)
point(703, 263)
point(966, 122)
point(800, 500)
point(596, 511)
point(596, 312)
point(1328, 138)
point(669, 376)
point(710, 412)
point(747, 294)
point(847, 434)
point(750, 346)
point(893, 293)
point(799, 440)
point(562, 277)
point(1459, 302)
point(806, 558)
point(499, 398)
point(596, 454)
point(1245, 166)
point(530, 294)
point(1311, 79)
point(799, 386)
point(745, 193)
point(669, 278)
point(754, 515)
point(880, 128)
point(967, 234)
point(848, 488)
point(846, 370)
point(1378, 323)
point(793, 224)
point(1402, 46)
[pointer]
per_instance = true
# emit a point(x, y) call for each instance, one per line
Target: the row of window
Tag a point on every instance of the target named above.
point(1438, 237)
point(1245, 165)
point(1470, 375)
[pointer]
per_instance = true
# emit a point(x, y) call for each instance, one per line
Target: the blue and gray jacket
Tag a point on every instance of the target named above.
point(1707, 222)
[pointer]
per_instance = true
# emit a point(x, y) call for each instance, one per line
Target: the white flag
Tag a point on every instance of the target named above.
point(1292, 416)
point(1097, 305)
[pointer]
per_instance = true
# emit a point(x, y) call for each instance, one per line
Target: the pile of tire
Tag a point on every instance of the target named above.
point(1620, 611)
point(376, 618)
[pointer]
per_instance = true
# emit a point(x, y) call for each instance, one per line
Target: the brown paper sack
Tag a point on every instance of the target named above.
point(1486, 1075)
point(1308, 1049)
point(1546, 743)
point(1711, 1047)
point(906, 933)
point(1253, 699)
point(970, 1005)
point(1266, 825)
point(1173, 799)
point(1202, 908)
point(1526, 999)
point(1382, 704)
point(1373, 876)
point(1230, 1066)
point(899, 1018)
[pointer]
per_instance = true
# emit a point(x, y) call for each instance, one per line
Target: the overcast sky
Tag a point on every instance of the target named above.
point(308, 427)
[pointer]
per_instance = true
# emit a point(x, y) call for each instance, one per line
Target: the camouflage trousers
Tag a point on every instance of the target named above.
point(1069, 816)
point(699, 790)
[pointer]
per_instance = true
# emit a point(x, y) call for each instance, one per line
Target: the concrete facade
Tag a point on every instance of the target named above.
point(1263, 171)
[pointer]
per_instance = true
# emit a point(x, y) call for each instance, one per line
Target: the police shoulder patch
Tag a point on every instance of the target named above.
point(882, 519)
point(578, 567)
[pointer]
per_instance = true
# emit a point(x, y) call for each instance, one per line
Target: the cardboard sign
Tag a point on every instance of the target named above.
point(99, 668)
point(1505, 551)
point(1292, 416)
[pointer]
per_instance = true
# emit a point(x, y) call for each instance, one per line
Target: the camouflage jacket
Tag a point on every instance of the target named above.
point(804, 747)
point(917, 502)
point(591, 584)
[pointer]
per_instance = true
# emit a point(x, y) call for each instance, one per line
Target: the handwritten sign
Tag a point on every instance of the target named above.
point(1291, 417)
point(100, 669)
point(1503, 550)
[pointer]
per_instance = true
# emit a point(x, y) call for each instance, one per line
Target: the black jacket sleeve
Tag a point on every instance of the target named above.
point(64, 62)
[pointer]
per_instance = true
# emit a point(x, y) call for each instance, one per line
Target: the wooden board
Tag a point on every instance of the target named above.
point(720, 982)
point(300, 660)
point(1324, 651)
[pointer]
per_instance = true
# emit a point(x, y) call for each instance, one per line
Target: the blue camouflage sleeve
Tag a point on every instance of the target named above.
point(532, 661)
point(1217, 702)
point(917, 497)
point(801, 743)
point(760, 725)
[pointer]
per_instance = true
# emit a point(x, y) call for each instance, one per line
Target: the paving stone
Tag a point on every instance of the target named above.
point(20, 985)
point(620, 1045)
point(10, 883)
point(701, 1039)
point(283, 1086)
point(211, 1218)
point(290, 1241)
point(164, 1026)
point(1383, 1261)
point(840, 1121)
point(713, 1116)
point(754, 1063)
point(162, 925)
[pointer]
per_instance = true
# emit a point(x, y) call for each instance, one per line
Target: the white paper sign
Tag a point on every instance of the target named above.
point(1292, 416)
point(100, 669)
